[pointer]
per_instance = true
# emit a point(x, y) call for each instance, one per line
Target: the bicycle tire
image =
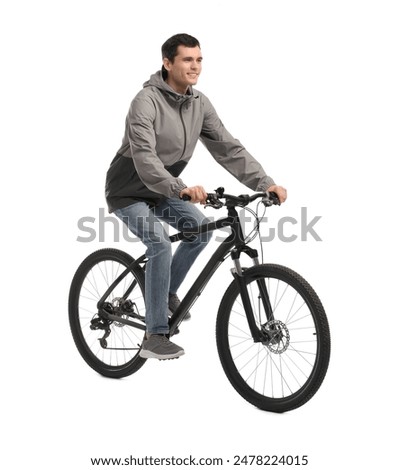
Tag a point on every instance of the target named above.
point(282, 361)
point(92, 278)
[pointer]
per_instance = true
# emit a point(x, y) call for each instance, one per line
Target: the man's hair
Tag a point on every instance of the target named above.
point(169, 48)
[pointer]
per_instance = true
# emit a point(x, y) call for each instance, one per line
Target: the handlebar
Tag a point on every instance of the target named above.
point(214, 199)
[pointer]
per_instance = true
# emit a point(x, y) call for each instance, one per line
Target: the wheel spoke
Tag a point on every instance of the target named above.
point(256, 367)
point(243, 352)
point(242, 331)
point(282, 295)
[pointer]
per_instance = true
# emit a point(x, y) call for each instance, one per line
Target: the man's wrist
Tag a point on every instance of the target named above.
point(178, 189)
point(266, 185)
point(181, 193)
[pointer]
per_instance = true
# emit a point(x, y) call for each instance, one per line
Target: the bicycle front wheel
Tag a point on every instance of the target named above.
point(286, 369)
point(109, 347)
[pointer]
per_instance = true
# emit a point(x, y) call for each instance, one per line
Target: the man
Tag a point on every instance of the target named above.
point(143, 188)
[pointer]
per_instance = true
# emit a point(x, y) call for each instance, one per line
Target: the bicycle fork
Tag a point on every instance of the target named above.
point(239, 275)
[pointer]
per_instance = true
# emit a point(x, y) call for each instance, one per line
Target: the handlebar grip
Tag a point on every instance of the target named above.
point(273, 196)
point(186, 197)
point(271, 199)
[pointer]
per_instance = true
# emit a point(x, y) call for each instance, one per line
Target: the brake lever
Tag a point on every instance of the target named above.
point(213, 201)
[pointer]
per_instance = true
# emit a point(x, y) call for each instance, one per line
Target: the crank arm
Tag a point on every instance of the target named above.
point(125, 321)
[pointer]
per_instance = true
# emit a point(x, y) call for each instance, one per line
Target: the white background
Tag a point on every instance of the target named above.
point(311, 89)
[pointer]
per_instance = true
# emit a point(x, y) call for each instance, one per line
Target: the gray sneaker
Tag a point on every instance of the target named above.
point(174, 303)
point(160, 347)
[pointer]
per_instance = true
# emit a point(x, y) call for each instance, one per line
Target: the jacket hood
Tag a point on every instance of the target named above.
point(157, 80)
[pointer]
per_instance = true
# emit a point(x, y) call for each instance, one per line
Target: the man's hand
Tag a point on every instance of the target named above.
point(196, 193)
point(280, 191)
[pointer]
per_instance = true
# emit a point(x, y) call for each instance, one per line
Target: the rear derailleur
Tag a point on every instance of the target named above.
point(123, 308)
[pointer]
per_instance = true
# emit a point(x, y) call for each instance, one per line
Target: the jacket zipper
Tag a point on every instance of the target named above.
point(184, 130)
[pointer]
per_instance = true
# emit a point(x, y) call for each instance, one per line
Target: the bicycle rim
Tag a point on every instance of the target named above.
point(116, 353)
point(284, 372)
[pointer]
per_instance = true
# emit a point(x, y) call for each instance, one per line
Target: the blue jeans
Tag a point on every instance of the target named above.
point(164, 273)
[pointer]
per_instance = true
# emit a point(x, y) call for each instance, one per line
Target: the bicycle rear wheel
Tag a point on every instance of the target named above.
point(111, 348)
point(284, 372)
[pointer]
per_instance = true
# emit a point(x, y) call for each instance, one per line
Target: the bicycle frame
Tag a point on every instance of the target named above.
point(234, 244)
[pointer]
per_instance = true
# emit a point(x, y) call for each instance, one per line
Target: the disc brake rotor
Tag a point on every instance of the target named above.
point(278, 336)
point(117, 302)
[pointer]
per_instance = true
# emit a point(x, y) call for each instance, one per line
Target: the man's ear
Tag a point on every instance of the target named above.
point(166, 63)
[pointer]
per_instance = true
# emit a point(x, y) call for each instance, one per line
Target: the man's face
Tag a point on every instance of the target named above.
point(185, 69)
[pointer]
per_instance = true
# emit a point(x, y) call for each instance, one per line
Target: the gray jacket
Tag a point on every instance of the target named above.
point(162, 130)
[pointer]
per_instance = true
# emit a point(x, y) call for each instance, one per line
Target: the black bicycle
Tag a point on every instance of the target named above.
point(272, 332)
